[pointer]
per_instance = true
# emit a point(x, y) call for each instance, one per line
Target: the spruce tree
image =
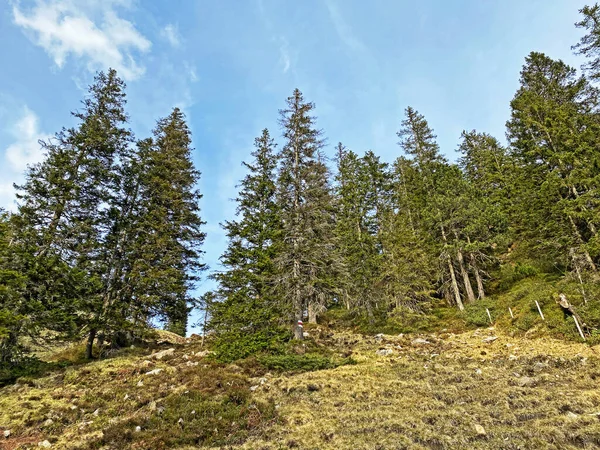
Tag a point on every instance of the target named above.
point(248, 314)
point(168, 254)
point(67, 202)
point(309, 261)
point(553, 132)
point(431, 204)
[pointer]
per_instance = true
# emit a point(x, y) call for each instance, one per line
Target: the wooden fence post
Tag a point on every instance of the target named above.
point(540, 310)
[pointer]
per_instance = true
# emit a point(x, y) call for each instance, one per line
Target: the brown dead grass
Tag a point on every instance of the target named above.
point(526, 394)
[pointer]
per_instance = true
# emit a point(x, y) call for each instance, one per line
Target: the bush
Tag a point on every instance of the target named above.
point(195, 418)
point(301, 363)
point(475, 314)
point(230, 346)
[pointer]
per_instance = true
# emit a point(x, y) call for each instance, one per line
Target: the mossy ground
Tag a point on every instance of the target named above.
point(525, 393)
point(534, 386)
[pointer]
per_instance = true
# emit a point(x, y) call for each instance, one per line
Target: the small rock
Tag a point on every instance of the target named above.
point(572, 415)
point(140, 383)
point(420, 341)
point(478, 371)
point(180, 421)
point(126, 397)
point(191, 363)
point(162, 354)
point(305, 334)
point(312, 388)
point(253, 388)
point(203, 353)
point(138, 429)
point(186, 357)
point(6, 434)
point(379, 336)
point(512, 357)
point(154, 372)
point(262, 380)
point(526, 382)
point(489, 339)
point(480, 430)
point(44, 444)
point(384, 351)
point(48, 422)
point(539, 366)
point(193, 412)
point(95, 413)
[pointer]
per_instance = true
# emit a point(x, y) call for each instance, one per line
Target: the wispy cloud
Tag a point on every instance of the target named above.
point(91, 31)
point(284, 52)
point(343, 30)
point(171, 34)
point(25, 150)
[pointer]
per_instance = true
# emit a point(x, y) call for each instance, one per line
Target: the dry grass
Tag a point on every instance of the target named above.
point(525, 394)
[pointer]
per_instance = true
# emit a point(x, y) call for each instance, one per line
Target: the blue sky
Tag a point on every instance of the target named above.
point(230, 65)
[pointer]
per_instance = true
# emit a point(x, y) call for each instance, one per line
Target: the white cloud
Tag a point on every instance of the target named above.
point(171, 34)
point(343, 29)
point(91, 31)
point(284, 52)
point(26, 149)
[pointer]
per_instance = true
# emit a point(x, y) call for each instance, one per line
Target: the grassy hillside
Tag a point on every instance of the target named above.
point(452, 383)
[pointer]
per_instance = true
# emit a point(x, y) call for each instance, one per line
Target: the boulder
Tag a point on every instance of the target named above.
point(526, 382)
point(162, 354)
point(384, 351)
point(480, 430)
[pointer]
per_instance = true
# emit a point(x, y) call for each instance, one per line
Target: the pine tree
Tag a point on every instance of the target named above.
point(431, 204)
point(589, 45)
point(247, 316)
point(362, 199)
point(12, 284)
point(489, 172)
point(67, 202)
point(309, 258)
point(168, 254)
point(553, 132)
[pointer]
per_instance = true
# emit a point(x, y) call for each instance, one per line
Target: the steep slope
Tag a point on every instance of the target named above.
point(474, 390)
point(479, 389)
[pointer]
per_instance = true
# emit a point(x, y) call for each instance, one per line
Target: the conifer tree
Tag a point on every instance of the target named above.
point(309, 260)
point(589, 45)
point(553, 132)
point(67, 202)
point(362, 199)
point(431, 203)
point(168, 262)
point(248, 315)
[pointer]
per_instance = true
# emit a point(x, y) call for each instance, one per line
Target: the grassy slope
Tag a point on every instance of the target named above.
point(527, 389)
point(524, 393)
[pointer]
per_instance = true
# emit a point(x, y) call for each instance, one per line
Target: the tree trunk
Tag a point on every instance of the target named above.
point(579, 239)
point(457, 298)
point(90, 344)
point(312, 313)
point(465, 276)
point(480, 288)
point(455, 285)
